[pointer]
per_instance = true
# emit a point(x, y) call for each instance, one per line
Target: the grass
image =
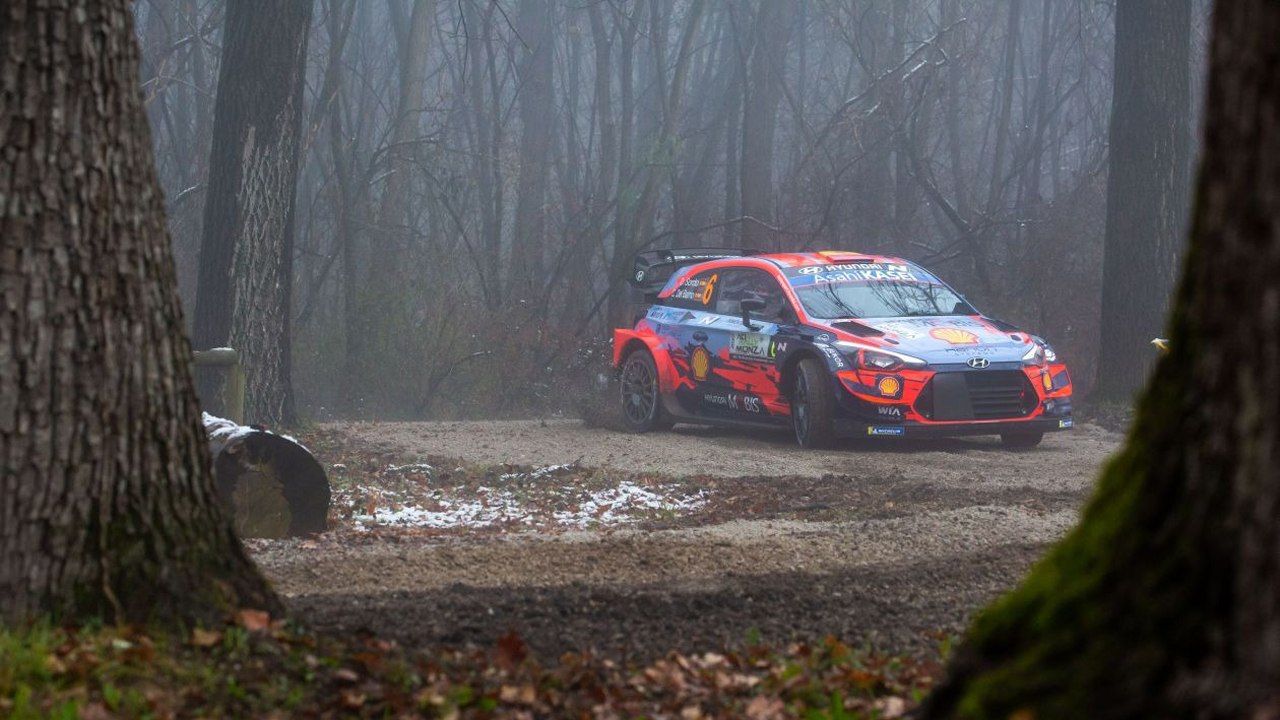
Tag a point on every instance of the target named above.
point(256, 667)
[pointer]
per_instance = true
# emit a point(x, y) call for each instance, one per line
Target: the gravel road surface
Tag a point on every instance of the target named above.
point(887, 543)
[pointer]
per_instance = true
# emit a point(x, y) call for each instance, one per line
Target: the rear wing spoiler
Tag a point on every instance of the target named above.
point(653, 268)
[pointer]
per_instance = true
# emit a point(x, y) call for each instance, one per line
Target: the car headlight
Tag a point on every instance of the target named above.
point(1049, 354)
point(879, 359)
point(1035, 355)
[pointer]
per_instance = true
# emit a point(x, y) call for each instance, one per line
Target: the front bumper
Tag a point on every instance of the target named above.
point(849, 428)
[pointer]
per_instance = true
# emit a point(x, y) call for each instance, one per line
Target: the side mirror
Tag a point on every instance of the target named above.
point(749, 306)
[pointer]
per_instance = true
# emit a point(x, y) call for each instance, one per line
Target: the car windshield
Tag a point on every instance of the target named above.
point(880, 299)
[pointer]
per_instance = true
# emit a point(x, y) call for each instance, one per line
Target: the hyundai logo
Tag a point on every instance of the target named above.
point(978, 363)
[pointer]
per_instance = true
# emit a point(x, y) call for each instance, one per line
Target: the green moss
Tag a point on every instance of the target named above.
point(1103, 622)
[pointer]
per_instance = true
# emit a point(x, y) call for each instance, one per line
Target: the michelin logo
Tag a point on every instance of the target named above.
point(885, 430)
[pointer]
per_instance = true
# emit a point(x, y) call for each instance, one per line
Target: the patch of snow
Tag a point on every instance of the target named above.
point(223, 430)
point(538, 473)
point(624, 503)
point(614, 505)
point(411, 467)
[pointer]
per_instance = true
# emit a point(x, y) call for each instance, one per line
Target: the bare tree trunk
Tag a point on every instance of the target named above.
point(485, 114)
point(1146, 188)
point(393, 213)
point(625, 196)
point(536, 114)
point(772, 28)
point(246, 250)
point(109, 508)
point(1165, 601)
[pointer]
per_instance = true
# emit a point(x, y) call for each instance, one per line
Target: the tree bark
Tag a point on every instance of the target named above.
point(760, 117)
point(1165, 600)
point(1147, 187)
point(393, 216)
point(246, 251)
point(536, 114)
point(107, 501)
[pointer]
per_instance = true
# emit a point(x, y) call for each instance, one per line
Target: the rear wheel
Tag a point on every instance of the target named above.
point(813, 405)
point(1021, 440)
point(641, 402)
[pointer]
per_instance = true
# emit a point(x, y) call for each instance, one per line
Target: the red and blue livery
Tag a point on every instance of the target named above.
point(831, 344)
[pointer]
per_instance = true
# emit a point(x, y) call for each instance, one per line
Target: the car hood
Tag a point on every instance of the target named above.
point(943, 339)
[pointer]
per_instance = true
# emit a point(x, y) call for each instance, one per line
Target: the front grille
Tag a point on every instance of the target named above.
point(978, 395)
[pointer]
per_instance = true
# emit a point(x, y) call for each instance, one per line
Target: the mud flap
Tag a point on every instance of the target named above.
point(272, 485)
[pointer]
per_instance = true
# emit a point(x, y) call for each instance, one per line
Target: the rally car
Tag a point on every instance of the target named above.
point(831, 344)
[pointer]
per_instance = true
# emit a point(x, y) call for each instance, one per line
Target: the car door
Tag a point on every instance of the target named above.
point(746, 382)
point(687, 315)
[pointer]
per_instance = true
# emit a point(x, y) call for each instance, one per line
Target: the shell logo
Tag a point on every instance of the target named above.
point(955, 336)
point(889, 386)
point(700, 361)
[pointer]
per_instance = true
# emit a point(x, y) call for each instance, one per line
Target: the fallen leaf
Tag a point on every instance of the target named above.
point(95, 711)
point(253, 620)
point(511, 651)
point(891, 707)
point(765, 708)
point(346, 675)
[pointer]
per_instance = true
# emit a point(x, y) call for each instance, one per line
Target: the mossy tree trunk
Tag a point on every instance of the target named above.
point(107, 502)
point(1165, 600)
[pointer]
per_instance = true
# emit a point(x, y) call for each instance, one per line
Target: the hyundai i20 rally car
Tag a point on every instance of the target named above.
point(832, 344)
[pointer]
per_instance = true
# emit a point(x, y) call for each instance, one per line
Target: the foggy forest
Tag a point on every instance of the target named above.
point(640, 359)
point(474, 178)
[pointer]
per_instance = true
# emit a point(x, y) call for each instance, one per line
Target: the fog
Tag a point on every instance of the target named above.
point(473, 178)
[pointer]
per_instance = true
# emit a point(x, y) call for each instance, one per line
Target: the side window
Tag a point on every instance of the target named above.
point(742, 284)
point(697, 292)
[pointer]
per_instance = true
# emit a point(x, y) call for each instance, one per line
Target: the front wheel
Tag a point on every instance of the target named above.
point(813, 405)
point(1021, 440)
point(641, 402)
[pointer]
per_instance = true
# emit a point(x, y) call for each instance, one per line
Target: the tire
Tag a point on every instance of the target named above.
point(813, 405)
point(641, 400)
point(1022, 440)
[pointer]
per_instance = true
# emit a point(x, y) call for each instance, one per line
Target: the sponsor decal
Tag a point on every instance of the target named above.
point(737, 402)
point(699, 288)
point(889, 386)
point(700, 363)
point(709, 289)
point(662, 314)
point(954, 335)
point(963, 350)
point(754, 346)
point(886, 430)
point(823, 338)
point(859, 272)
point(1065, 423)
point(906, 325)
point(889, 411)
point(837, 360)
point(978, 363)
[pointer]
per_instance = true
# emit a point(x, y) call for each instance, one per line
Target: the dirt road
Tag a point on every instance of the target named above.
point(887, 543)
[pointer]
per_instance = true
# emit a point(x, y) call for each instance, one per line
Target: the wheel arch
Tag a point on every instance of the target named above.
point(788, 374)
point(626, 342)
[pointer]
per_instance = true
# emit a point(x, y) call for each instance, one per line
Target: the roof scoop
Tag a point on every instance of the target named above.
point(844, 256)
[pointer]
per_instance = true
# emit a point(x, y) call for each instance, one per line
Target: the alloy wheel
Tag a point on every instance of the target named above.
point(639, 391)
